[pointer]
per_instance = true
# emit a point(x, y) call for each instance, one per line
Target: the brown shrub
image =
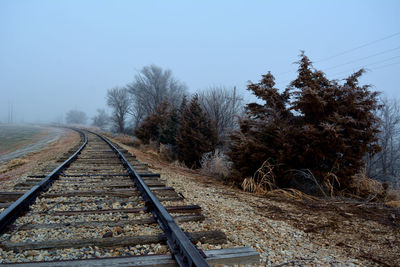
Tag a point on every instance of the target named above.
point(216, 163)
point(393, 198)
point(365, 187)
point(167, 152)
point(128, 140)
point(315, 133)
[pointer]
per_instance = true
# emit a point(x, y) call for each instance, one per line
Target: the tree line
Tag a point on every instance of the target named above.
point(315, 135)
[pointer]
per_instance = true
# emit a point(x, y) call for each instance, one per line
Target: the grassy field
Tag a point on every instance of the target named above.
point(14, 137)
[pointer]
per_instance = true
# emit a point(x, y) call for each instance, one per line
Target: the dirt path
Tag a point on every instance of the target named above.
point(33, 162)
point(21, 140)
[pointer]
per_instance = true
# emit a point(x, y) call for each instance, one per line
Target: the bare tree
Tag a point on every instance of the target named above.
point(118, 100)
point(385, 165)
point(150, 87)
point(101, 119)
point(222, 106)
point(76, 117)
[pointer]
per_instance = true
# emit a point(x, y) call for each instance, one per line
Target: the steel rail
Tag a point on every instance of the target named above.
point(182, 249)
point(9, 215)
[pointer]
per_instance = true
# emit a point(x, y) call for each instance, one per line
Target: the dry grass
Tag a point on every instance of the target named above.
point(262, 181)
point(179, 164)
point(328, 185)
point(151, 147)
point(393, 198)
point(370, 190)
point(128, 140)
point(216, 163)
point(290, 193)
point(167, 153)
point(364, 187)
point(13, 164)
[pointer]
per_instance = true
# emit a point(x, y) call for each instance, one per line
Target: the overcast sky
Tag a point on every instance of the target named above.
point(62, 55)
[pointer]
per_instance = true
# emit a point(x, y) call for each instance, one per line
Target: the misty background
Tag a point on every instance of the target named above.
point(61, 55)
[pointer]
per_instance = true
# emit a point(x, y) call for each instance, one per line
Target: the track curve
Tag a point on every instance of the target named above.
point(103, 207)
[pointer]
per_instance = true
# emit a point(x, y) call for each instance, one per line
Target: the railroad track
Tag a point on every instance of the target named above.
point(102, 207)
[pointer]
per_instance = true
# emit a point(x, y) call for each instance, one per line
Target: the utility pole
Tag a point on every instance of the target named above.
point(234, 99)
point(11, 115)
point(9, 112)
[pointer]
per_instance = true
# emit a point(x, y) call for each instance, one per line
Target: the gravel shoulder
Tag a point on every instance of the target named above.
point(285, 230)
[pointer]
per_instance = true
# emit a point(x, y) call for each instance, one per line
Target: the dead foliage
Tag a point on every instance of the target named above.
point(315, 133)
point(151, 147)
point(128, 140)
point(262, 181)
point(216, 163)
point(364, 188)
point(167, 152)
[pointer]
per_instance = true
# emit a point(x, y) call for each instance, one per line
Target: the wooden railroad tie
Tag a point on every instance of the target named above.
point(228, 256)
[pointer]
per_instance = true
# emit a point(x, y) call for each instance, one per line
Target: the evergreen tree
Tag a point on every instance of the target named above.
point(327, 129)
point(263, 132)
point(182, 107)
point(169, 128)
point(151, 127)
point(196, 135)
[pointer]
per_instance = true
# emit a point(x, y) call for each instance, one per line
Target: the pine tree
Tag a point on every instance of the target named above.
point(196, 134)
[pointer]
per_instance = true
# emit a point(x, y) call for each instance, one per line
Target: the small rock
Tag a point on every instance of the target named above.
point(52, 253)
point(108, 234)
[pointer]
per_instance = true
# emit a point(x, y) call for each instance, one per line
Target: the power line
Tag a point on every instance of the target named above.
point(369, 64)
point(363, 58)
point(372, 69)
point(348, 51)
point(358, 47)
point(384, 66)
point(363, 66)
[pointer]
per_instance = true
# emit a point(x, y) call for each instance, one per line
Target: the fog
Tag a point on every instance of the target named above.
point(61, 55)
